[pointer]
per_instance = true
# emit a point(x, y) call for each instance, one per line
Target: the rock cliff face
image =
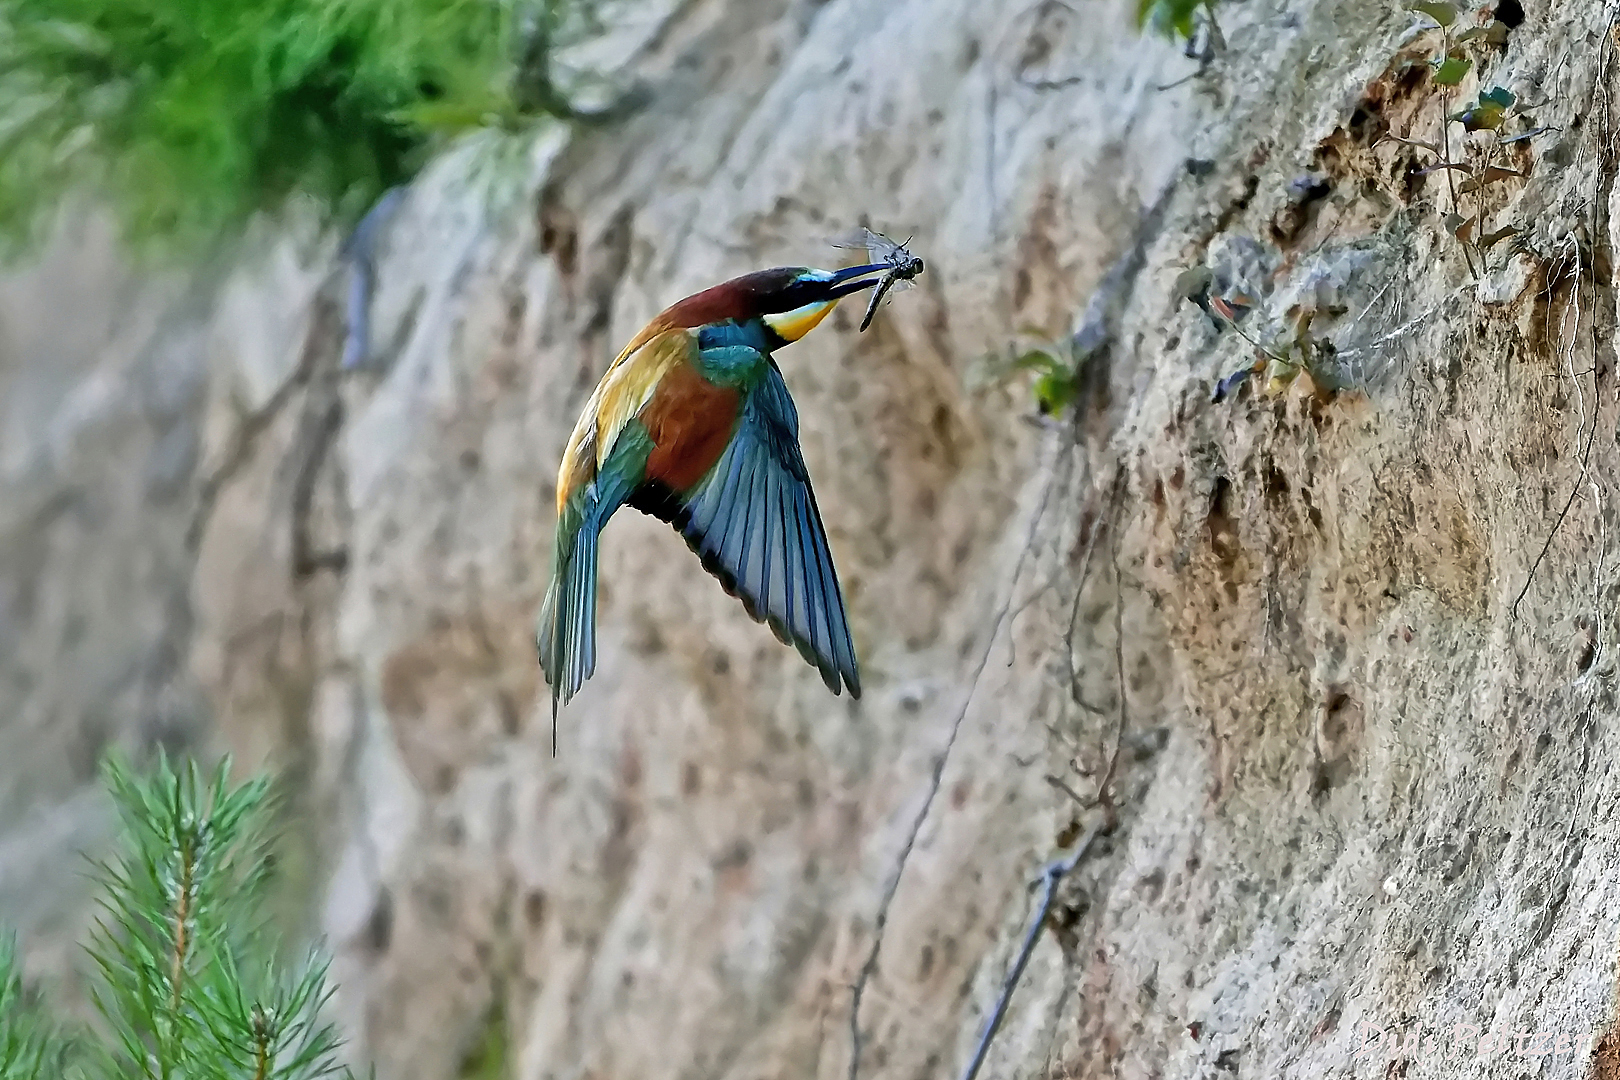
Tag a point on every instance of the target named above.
point(1342, 665)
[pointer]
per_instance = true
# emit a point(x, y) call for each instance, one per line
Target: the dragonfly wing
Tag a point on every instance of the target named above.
point(877, 246)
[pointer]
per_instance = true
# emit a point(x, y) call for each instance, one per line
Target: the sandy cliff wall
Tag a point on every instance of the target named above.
point(1357, 778)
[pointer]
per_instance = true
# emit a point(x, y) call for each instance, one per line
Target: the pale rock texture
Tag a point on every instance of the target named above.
point(1358, 782)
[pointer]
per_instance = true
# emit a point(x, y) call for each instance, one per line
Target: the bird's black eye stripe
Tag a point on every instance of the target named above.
point(795, 295)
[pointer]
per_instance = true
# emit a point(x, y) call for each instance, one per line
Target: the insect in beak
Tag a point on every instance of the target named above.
point(900, 266)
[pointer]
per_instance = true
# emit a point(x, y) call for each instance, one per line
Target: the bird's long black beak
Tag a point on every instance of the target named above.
point(853, 279)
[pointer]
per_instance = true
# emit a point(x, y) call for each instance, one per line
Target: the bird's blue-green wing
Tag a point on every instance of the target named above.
point(753, 521)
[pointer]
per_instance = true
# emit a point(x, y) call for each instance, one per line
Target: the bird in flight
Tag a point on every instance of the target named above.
point(693, 424)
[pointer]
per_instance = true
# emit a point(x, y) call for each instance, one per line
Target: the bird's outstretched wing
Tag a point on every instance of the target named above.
point(753, 521)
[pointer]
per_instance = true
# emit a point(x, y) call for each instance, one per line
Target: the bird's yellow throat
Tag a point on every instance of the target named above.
point(793, 325)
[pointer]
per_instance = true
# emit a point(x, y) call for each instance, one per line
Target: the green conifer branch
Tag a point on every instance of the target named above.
point(30, 1046)
point(189, 117)
point(187, 976)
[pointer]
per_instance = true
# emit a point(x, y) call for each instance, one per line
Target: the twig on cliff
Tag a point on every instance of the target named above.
point(1611, 168)
point(244, 439)
point(1055, 1021)
point(1063, 785)
point(1074, 618)
point(1054, 873)
point(1095, 333)
point(1044, 588)
point(1445, 155)
point(1405, 328)
point(869, 967)
point(1586, 454)
point(1104, 799)
point(1074, 610)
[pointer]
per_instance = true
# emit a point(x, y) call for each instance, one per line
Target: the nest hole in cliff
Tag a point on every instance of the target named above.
point(1560, 291)
point(1221, 523)
point(1358, 156)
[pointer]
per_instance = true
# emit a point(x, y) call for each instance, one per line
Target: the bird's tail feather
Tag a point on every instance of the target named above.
point(566, 634)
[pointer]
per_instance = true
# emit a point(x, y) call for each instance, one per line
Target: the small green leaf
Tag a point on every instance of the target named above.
point(1499, 96)
point(1037, 360)
point(1452, 70)
point(1442, 13)
point(1486, 116)
point(1193, 282)
point(1281, 377)
point(1172, 18)
point(1493, 33)
point(1054, 390)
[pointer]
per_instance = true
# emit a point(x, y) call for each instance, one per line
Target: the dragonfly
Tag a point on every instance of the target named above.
point(903, 265)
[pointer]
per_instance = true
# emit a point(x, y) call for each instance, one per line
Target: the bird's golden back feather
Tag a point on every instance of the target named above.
point(630, 380)
point(625, 389)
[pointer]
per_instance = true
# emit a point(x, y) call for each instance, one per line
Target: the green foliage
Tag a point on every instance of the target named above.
point(1442, 13)
point(30, 1048)
point(1058, 366)
point(490, 1057)
point(1282, 353)
point(1171, 18)
point(1293, 350)
point(1492, 112)
point(1488, 113)
point(1451, 69)
point(190, 116)
point(188, 983)
point(1054, 387)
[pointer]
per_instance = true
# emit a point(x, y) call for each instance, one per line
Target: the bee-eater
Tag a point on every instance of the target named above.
point(693, 424)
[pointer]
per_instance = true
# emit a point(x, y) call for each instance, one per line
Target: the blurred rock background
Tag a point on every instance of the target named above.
point(1358, 778)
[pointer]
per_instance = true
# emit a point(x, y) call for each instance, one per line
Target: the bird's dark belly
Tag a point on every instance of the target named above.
point(690, 420)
